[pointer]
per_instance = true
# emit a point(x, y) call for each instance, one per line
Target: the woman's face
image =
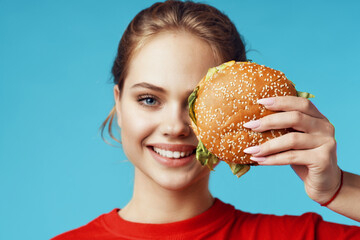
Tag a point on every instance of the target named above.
point(153, 109)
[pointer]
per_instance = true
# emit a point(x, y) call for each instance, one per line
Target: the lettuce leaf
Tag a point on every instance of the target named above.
point(239, 169)
point(305, 94)
point(191, 101)
point(205, 157)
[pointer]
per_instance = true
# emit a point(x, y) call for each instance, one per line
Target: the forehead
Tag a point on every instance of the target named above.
point(171, 57)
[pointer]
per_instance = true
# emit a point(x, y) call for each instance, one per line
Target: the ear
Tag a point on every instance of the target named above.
point(117, 104)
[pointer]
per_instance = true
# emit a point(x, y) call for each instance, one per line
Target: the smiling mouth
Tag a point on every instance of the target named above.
point(172, 154)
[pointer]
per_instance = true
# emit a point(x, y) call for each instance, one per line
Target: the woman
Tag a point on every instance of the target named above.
point(162, 55)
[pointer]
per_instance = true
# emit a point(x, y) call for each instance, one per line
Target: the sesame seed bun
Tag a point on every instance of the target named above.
point(225, 99)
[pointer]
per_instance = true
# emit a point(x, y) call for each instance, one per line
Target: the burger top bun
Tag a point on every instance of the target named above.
point(224, 100)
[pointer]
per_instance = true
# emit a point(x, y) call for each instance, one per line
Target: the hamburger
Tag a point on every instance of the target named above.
point(224, 100)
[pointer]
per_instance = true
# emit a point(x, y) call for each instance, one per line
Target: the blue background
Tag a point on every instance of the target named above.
point(57, 174)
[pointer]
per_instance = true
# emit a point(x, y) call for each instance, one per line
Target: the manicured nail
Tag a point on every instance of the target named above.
point(252, 150)
point(266, 101)
point(252, 124)
point(258, 159)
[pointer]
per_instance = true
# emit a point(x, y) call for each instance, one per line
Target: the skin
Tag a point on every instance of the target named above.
point(175, 62)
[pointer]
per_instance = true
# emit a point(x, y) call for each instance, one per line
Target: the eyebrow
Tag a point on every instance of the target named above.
point(148, 86)
point(153, 87)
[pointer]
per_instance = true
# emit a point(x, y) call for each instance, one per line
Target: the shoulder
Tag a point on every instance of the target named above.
point(267, 226)
point(96, 229)
point(276, 223)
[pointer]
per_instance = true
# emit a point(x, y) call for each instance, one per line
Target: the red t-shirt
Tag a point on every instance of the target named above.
point(221, 221)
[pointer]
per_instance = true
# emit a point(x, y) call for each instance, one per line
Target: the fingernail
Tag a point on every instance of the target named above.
point(258, 159)
point(266, 101)
point(252, 124)
point(252, 150)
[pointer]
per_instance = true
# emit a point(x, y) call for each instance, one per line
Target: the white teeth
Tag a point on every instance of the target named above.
point(168, 154)
point(171, 154)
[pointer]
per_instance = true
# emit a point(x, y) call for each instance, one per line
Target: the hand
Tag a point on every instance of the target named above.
point(310, 150)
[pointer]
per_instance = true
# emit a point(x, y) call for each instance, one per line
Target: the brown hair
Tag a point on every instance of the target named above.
point(202, 20)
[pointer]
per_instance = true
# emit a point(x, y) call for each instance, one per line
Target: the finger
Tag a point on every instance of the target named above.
point(295, 120)
point(291, 103)
point(289, 141)
point(293, 157)
point(312, 158)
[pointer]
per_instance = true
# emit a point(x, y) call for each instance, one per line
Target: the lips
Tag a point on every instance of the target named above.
point(172, 155)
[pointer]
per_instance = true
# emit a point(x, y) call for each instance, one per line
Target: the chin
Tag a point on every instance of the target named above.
point(180, 179)
point(181, 184)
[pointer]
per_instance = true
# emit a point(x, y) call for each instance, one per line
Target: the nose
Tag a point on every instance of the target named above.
point(175, 122)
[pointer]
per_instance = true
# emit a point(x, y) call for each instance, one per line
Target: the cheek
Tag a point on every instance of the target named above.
point(136, 126)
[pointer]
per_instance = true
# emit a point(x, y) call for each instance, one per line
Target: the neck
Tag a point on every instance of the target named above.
point(152, 203)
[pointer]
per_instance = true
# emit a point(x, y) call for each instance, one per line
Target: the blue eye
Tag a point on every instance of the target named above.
point(147, 100)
